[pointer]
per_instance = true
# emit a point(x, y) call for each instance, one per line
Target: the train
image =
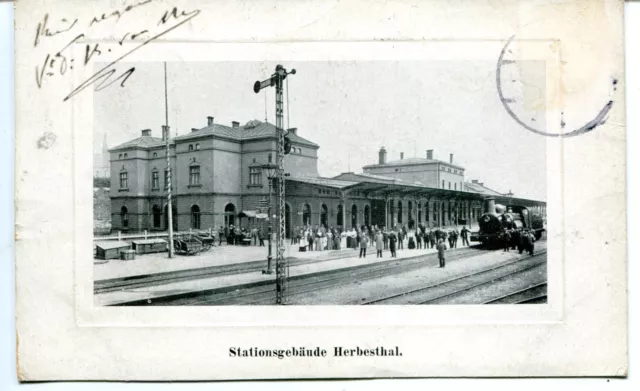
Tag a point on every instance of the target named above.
point(498, 217)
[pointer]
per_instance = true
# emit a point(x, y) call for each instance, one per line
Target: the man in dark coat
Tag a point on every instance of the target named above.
point(464, 233)
point(506, 239)
point(400, 239)
point(432, 239)
point(441, 249)
point(392, 244)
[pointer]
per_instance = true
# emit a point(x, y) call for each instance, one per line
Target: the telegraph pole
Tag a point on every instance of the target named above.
point(282, 269)
point(166, 134)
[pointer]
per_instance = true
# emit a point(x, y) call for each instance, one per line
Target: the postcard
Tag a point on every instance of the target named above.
point(300, 189)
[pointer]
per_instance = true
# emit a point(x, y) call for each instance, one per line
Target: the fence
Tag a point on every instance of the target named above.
point(145, 235)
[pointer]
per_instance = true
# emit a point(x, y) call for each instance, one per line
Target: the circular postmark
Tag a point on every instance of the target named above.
point(598, 120)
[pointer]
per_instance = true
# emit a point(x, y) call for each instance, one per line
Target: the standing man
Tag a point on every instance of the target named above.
point(419, 238)
point(254, 236)
point(464, 232)
point(441, 249)
point(379, 244)
point(260, 235)
point(392, 244)
point(400, 239)
point(506, 240)
point(364, 241)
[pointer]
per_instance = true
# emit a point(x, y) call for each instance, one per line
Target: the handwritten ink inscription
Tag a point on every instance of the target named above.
point(58, 63)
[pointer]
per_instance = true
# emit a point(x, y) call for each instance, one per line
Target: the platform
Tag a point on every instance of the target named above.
point(348, 258)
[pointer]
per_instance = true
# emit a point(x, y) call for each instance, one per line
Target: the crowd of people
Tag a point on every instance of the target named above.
point(522, 240)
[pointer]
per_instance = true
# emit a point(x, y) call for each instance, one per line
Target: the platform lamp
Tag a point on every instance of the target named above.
point(271, 172)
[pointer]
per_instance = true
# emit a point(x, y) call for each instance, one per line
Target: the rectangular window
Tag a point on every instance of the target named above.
point(255, 176)
point(124, 182)
point(449, 185)
point(155, 180)
point(443, 183)
point(166, 179)
point(194, 175)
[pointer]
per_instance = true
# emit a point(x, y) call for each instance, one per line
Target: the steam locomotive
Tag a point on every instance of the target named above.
point(498, 217)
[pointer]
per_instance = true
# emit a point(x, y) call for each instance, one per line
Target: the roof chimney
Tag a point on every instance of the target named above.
point(194, 129)
point(235, 124)
point(451, 158)
point(401, 155)
point(382, 156)
point(165, 132)
point(474, 181)
point(430, 154)
point(293, 130)
point(481, 183)
point(209, 121)
point(146, 132)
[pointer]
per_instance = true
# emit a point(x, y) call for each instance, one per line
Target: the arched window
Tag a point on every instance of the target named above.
point(157, 213)
point(340, 218)
point(306, 214)
point(419, 212)
point(197, 147)
point(190, 147)
point(124, 217)
point(270, 158)
point(229, 215)
point(400, 212)
point(410, 213)
point(155, 154)
point(125, 155)
point(354, 216)
point(195, 217)
point(324, 215)
point(367, 215)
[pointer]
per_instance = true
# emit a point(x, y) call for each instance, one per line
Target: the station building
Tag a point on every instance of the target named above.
point(217, 179)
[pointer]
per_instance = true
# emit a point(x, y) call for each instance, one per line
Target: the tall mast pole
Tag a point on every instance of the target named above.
point(282, 269)
point(167, 135)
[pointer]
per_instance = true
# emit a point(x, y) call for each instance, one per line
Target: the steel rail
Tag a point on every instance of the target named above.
point(468, 288)
point(340, 274)
point(440, 283)
point(521, 291)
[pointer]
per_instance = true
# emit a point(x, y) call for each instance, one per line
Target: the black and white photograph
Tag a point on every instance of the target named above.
point(339, 189)
point(320, 183)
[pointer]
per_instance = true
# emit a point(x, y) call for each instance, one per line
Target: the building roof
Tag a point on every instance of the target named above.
point(141, 142)
point(320, 181)
point(412, 162)
point(366, 176)
point(251, 130)
point(479, 188)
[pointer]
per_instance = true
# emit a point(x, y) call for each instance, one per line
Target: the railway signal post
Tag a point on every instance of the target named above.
point(282, 269)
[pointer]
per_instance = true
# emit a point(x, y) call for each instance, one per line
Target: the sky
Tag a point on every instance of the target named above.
point(350, 109)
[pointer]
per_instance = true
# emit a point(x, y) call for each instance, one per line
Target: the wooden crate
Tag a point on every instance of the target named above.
point(149, 246)
point(128, 255)
point(110, 250)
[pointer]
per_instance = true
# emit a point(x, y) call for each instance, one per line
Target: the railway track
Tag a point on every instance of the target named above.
point(447, 290)
point(533, 294)
point(265, 294)
point(133, 282)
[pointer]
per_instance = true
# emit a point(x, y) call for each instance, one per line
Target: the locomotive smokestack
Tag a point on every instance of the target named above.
point(490, 205)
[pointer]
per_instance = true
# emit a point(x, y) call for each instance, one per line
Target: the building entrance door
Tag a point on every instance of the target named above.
point(377, 212)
